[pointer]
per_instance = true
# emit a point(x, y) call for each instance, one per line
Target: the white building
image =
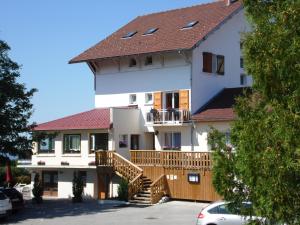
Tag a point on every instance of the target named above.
point(160, 82)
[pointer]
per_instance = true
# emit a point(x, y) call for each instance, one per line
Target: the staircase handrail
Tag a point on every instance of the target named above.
point(158, 189)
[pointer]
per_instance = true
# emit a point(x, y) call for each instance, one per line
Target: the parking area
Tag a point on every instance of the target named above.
point(90, 212)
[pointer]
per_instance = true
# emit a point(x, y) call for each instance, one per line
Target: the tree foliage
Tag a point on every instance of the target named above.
point(15, 108)
point(265, 165)
point(77, 187)
point(37, 190)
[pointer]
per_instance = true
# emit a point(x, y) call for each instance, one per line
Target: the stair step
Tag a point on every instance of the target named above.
point(137, 202)
point(141, 198)
point(140, 194)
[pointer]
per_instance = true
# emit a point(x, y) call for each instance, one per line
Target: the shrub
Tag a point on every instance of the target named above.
point(123, 190)
point(37, 190)
point(77, 187)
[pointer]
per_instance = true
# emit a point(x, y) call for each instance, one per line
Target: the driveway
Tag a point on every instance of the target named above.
point(62, 212)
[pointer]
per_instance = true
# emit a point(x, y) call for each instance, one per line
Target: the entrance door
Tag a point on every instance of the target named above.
point(134, 142)
point(50, 183)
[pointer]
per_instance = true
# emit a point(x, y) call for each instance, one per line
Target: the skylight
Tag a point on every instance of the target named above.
point(150, 31)
point(190, 24)
point(129, 34)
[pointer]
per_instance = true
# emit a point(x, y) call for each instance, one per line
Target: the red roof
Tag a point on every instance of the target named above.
point(220, 107)
point(93, 119)
point(168, 37)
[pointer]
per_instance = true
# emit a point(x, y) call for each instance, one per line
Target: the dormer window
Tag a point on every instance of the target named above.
point(132, 62)
point(190, 25)
point(148, 61)
point(129, 34)
point(150, 31)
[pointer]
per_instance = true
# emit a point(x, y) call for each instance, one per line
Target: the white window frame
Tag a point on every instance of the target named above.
point(131, 101)
point(172, 146)
point(147, 101)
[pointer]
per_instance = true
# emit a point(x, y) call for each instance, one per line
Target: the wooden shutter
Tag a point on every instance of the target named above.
point(184, 99)
point(157, 100)
point(207, 62)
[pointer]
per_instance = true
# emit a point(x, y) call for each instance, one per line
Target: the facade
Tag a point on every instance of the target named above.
point(160, 83)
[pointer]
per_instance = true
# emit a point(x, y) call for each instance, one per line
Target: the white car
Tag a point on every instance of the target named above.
point(5, 205)
point(218, 213)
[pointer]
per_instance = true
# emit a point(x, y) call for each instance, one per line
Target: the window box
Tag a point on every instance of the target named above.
point(64, 163)
point(41, 163)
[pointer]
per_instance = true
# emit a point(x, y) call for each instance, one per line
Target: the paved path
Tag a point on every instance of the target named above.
point(63, 212)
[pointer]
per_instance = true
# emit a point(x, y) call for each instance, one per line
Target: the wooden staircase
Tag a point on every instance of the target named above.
point(141, 189)
point(143, 197)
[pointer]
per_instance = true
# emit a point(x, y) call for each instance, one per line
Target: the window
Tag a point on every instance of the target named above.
point(207, 62)
point(172, 100)
point(148, 61)
point(190, 25)
point(220, 65)
point(47, 145)
point(98, 141)
point(242, 63)
point(148, 98)
point(243, 79)
point(123, 141)
point(129, 34)
point(132, 62)
point(82, 175)
point(172, 141)
point(72, 143)
point(132, 99)
point(150, 31)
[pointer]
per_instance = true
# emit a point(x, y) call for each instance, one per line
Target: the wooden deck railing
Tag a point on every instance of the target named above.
point(158, 189)
point(172, 159)
point(123, 167)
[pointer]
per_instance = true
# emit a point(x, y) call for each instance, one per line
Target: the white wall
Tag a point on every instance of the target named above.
point(126, 122)
point(224, 41)
point(202, 130)
point(113, 86)
point(81, 159)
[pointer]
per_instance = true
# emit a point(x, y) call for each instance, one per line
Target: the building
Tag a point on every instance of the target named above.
point(160, 82)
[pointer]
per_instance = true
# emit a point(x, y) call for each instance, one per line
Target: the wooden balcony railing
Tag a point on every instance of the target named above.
point(158, 189)
point(172, 159)
point(124, 168)
point(168, 116)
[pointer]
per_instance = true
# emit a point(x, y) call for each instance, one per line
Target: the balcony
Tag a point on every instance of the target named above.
point(168, 116)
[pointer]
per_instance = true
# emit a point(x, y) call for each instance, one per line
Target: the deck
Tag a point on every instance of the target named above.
point(178, 174)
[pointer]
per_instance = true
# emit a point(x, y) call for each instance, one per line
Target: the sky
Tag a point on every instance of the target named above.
point(45, 35)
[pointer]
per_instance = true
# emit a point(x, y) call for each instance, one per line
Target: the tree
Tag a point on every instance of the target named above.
point(15, 108)
point(264, 165)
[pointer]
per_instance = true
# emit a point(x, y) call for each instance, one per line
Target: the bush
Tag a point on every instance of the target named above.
point(123, 190)
point(37, 190)
point(77, 188)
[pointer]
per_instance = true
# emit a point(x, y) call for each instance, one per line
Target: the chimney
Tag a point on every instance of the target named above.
point(229, 2)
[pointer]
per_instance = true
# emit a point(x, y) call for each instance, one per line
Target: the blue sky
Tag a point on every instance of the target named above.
point(45, 35)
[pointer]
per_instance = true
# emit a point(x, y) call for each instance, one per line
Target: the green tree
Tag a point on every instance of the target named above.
point(264, 166)
point(15, 108)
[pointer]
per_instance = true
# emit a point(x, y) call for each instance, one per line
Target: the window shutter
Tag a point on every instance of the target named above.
point(184, 99)
point(207, 62)
point(157, 100)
